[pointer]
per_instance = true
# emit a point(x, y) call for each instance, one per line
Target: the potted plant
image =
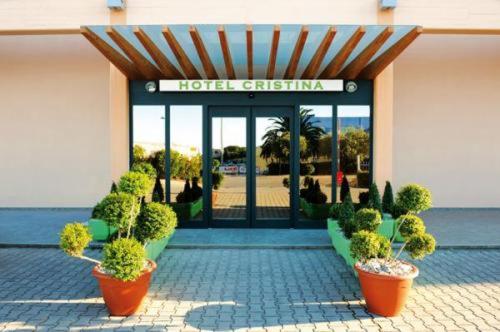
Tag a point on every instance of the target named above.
point(155, 225)
point(189, 201)
point(386, 280)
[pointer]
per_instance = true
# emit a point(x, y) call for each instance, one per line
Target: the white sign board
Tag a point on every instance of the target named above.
point(251, 85)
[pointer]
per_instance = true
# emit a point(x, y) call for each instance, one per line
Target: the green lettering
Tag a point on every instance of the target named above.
point(318, 86)
point(219, 85)
point(306, 85)
point(196, 85)
point(259, 85)
point(183, 85)
point(247, 85)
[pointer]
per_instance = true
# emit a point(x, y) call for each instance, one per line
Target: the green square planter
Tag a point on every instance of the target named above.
point(187, 211)
point(342, 246)
point(100, 230)
point(315, 211)
point(155, 248)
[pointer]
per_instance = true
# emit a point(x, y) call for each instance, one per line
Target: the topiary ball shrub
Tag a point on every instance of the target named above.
point(74, 238)
point(367, 245)
point(135, 183)
point(155, 222)
point(367, 220)
point(124, 259)
point(414, 199)
point(388, 198)
point(419, 246)
point(410, 225)
point(144, 168)
point(119, 210)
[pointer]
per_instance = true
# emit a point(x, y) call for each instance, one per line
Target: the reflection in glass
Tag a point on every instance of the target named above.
point(229, 157)
point(149, 142)
point(353, 156)
point(186, 161)
point(272, 161)
point(316, 128)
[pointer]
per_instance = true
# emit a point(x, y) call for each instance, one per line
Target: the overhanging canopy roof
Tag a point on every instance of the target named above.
point(251, 51)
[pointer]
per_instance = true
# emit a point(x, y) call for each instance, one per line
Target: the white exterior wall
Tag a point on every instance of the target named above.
point(447, 119)
point(54, 122)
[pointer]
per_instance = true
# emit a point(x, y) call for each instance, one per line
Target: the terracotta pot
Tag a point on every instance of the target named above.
point(123, 298)
point(385, 295)
point(214, 197)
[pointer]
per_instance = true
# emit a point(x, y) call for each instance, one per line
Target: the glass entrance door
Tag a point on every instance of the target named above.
point(250, 149)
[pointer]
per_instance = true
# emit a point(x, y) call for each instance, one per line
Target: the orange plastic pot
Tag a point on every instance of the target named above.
point(385, 295)
point(123, 298)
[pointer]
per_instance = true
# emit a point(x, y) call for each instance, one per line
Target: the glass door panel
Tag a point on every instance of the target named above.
point(272, 167)
point(229, 162)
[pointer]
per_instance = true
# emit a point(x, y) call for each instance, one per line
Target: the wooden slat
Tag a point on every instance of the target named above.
point(297, 52)
point(271, 66)
point(354, 68)
point(340, 58)
point(181, 56)
point(250, 52)
point(313, 66)
point(376, 66)
point(226, 53)
point(203, 54)
point(146, 68)
point(166, 67)
point(115, 57)
point(460, 31)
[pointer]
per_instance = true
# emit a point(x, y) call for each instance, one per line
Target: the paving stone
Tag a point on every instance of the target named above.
point(248, 289)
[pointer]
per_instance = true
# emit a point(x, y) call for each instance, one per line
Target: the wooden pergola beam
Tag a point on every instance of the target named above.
point(341, 57)
point(226, 53)
point(354, 68)
point(146, 68)
point(271, 66)
point(115, 57)
point(208, 66)
point(187, 66)
point(313, 66)
point(166, 67)
point(376, 66)
point(297, 52)
point(249, 33)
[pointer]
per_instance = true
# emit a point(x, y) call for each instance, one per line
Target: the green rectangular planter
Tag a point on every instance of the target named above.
point(315, 211)
point(100, 230)
point(342, 246)
point(386, 229)
point(187, 211)
point(154, 248)
point(332, 226)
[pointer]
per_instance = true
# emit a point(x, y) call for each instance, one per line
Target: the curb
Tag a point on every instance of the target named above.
point(239, 246)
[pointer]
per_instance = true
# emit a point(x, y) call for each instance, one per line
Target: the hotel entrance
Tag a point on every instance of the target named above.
point(251, 149)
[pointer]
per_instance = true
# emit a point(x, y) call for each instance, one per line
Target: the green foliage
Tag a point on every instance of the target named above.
point(118, 210)
point(139, 153)
point(353, 142)
point(217, 179)
point(124, 259)
point(155, 222)
point(374, 198)
point(144, 168)
point(346, 216)
point(185, 196)
point(367, 220)
point(366, 245)
point(184, 167)
point(158, 193)
point(344, 188)
point(421, 245)
point(309, 169)
point(136, 184)
point(196, 190)
point(388, 199)
point(315, 195)
point(414, 199)
point(335, 210)
point(410, 225)
point(74, 238)
point(364, 198)
point(97, 211)
point(286, 182)
point(114, 188)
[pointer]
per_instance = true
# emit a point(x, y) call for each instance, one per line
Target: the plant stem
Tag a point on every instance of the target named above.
point(400, 251)
point(399, 226)
point(85, 258)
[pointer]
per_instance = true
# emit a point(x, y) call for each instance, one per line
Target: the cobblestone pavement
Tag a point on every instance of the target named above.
point(256, 289)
